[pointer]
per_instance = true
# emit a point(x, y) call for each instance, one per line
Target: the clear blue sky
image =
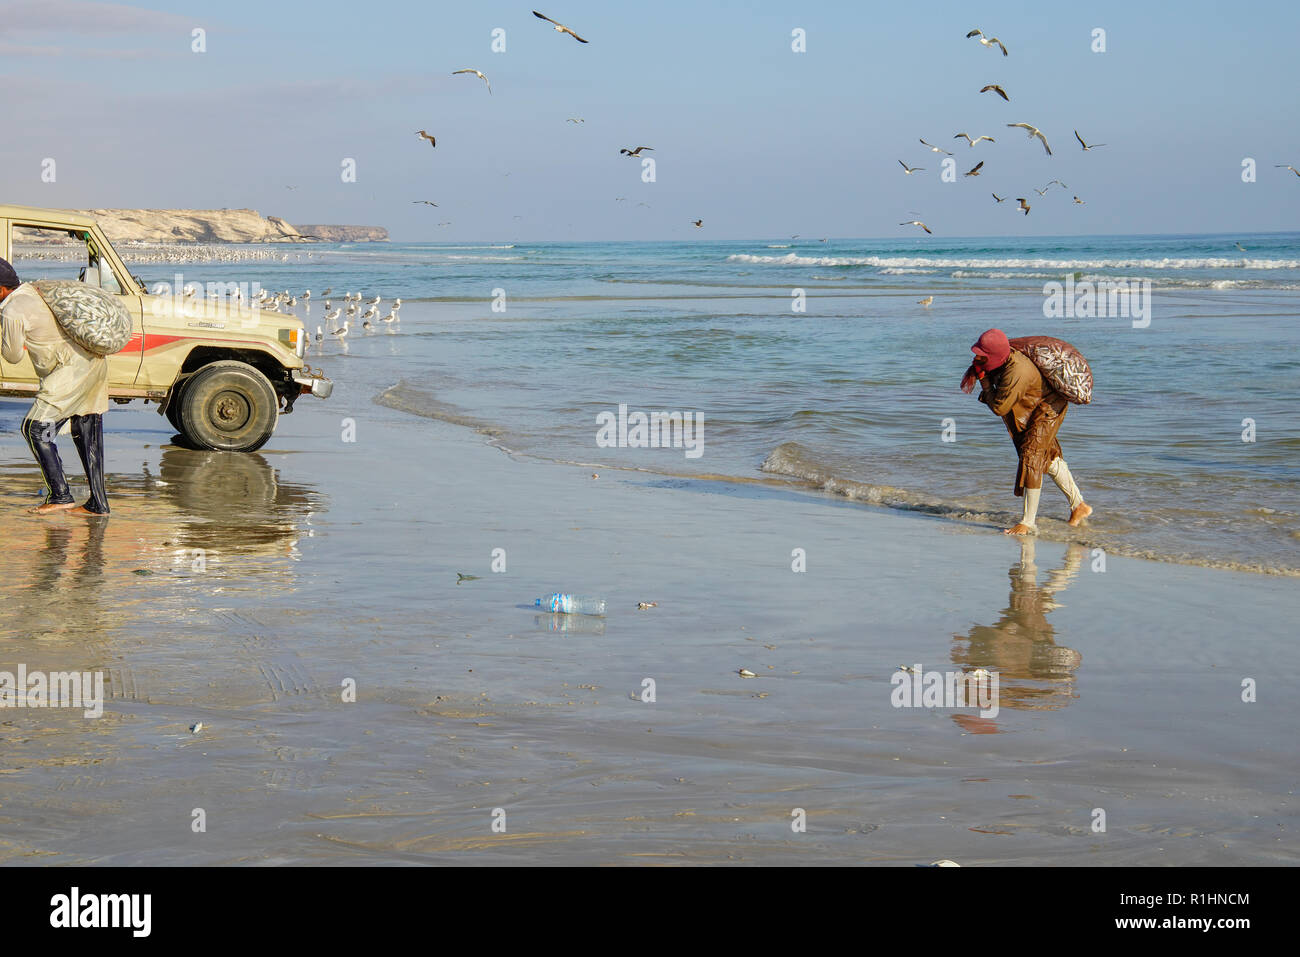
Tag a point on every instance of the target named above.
point(755, 139)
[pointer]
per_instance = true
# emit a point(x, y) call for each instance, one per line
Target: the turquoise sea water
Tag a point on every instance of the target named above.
point(854, 392)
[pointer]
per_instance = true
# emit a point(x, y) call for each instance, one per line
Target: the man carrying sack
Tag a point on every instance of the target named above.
point(1015, 388)
point(73, 392)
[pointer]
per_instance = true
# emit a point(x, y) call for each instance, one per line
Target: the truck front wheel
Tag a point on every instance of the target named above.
point(228, 407)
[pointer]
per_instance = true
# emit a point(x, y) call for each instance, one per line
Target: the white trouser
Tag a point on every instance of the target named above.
point(1060, 474)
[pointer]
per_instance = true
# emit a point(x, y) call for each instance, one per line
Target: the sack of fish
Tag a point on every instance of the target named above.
point(96, 320)
point(1062, 365)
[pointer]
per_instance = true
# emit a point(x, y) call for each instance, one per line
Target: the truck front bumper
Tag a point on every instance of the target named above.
point(316, 385)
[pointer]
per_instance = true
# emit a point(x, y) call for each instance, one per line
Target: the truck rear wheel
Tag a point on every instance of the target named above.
point(228, 407)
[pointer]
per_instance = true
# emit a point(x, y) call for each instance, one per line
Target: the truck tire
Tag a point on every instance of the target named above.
point(228, 407)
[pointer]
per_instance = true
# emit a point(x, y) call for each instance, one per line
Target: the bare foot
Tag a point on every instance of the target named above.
point(1020, 528)
point(48, 507)
point(82, 510)
point(1080, 513)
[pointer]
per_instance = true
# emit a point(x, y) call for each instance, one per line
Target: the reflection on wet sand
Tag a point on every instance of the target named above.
point(190, 512)
point(1035, 672)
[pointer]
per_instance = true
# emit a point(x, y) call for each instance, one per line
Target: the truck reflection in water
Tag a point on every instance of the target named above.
point(1035, 672)
point(189, 518)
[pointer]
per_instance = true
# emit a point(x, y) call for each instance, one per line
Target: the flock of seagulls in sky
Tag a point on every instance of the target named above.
point(576, 120)
point(1033, 132)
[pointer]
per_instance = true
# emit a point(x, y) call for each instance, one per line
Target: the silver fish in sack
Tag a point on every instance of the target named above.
point(1062, 365)
point(96, 320)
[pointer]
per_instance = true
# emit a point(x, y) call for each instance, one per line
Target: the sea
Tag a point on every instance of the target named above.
point(815, 364)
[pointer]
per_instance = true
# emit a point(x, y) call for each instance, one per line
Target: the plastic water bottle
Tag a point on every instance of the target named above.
point(571, 605)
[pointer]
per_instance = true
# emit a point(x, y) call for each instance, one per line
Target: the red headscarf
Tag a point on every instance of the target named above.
point(994, 346)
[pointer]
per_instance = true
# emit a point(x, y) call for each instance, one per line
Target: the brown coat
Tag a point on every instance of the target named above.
point(1032, 411)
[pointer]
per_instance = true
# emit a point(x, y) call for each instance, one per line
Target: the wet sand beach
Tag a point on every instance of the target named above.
point(325, 561)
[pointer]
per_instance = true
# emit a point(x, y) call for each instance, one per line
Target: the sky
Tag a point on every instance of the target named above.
point(757, 140)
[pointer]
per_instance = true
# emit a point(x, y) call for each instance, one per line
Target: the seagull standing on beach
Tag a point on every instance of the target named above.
point(426, 136)
point(909, 170)
point(926, 301)
point(559, 26)
point(1034, 131)
point(341, 334)
point(989, 42)
point(916, 222)
point(477, 73)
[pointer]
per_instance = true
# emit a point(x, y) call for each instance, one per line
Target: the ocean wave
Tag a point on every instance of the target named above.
point(793, 461)
point(1067, 265)
point(1166, 281)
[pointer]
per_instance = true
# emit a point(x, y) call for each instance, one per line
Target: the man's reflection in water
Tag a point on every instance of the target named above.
point(61, 577)
point(1035, 672)
point(59, 593)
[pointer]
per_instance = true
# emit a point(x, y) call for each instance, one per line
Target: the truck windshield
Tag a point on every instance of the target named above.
point(41, 252)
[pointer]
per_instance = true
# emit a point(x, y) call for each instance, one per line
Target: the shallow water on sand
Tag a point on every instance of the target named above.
point(1120, 689)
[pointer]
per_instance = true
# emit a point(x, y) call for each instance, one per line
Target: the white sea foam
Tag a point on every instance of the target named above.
point(1070, 265)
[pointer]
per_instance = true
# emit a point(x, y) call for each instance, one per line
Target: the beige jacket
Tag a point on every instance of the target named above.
point(73, 381)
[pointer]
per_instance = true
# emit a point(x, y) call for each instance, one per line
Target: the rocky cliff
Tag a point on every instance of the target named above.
point(345, 234)
point(219, 226)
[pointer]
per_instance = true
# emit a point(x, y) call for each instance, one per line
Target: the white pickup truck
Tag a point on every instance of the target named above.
point(222, 371)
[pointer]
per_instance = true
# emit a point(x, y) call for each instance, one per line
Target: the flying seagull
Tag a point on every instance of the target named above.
point(477, 73)
point(559, 26)
point(935, 149)
point(975, 170)
point(996, 89)
point(1086, 146)
point(637, 151)
point(426, 202)
point(698, 223)
point(1079, 201)
point(987, 41)
point(1058, 183)
point(916, 222)
point(578, 119)
point(1040, 192)
point(909, 170)
point(1034, 131)
point(425, 136)
point(1291, 168)
point(1000, 199)
point(1241, 247)
point(1023, 205)
point(972, 142)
